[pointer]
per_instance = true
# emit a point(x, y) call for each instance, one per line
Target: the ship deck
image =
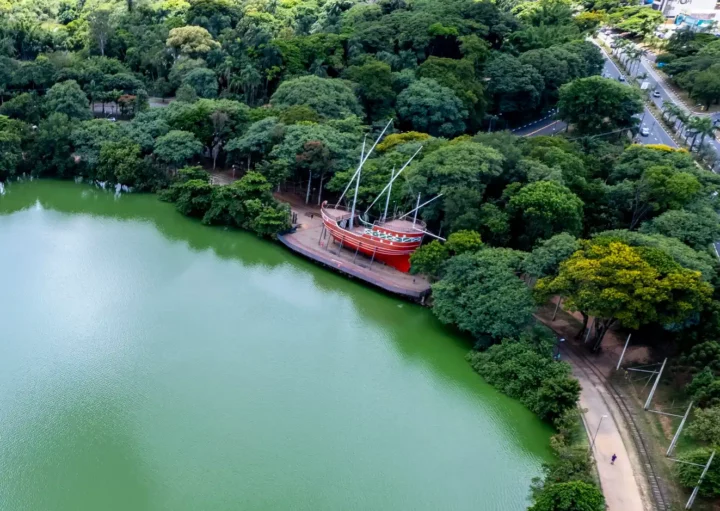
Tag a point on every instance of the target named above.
point(306, 240)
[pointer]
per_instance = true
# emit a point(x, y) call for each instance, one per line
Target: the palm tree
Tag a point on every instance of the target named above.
point(669, 111)
point(704, 127)
point(639, 54)
point(681, 118)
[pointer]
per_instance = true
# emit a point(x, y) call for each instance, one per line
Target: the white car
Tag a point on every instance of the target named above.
point(644, 131)
point(656, 93)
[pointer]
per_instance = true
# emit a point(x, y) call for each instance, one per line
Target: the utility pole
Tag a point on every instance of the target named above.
point(654, 387)
point(623, 352)
point(691, 500)
point(680, 428)
point(596, 432)
point(557, 306)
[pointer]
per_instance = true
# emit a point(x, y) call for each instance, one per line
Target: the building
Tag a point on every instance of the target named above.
point(702, 12)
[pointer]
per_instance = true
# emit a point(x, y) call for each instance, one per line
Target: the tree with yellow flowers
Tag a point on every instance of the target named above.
point(632, 286)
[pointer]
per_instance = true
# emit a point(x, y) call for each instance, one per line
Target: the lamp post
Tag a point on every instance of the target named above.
point(592, 445)
point(557, 348)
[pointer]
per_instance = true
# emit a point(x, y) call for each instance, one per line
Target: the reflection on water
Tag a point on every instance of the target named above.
point(208, 369)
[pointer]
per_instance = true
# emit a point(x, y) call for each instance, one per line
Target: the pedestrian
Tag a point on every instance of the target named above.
point(612, 460)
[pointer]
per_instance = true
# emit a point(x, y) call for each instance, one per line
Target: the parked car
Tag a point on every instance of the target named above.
point(621, 78)
point(656, 93)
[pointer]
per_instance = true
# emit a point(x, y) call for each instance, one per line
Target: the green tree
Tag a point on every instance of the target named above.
point(569, 496)
point(659, 189)
point(598, 105)
point(545, 259)
point(374, 79)
point(494, 225)
point(705, 355)
point(186, 93)
point(461, 242)
point(545, 208)
point(194, 197)
point(337, 151)
point(176, 148)
point(481, 294)
point(121, 162)
point(704, 388)
point(458, 75)
point(429, 107)
point(190, 41)
point(601, 280)
point(698, 230)
point(10, 149)
point(258, 140)
point(429, 258)
point(27, 107)
point(69, 99)
point(203, 81)
point(688, 475)
point(331, 98)
point(678, 251)
point(460, 171)
point(101, 21)
point(52, 148)
point(515, 88)
point(705, 425)
point(706, 86)
point(525, 370)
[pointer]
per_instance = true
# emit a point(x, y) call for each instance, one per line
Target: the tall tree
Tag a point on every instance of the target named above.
point(481, 295)
point(429, 107)
point(543, 209)
point(598, 105)
point(331, 98)
point(69, 99)
point(602, 280)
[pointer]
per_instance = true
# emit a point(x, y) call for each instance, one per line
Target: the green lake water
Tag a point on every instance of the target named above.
point(148, 362)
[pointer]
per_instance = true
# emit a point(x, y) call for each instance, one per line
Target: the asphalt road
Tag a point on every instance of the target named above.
point(550, 126)
point(646, 66)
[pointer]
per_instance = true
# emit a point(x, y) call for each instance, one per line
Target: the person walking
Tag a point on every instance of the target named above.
point(612, 460)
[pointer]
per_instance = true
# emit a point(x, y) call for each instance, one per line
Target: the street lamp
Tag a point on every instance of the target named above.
point(557, 348)
point(596, 432)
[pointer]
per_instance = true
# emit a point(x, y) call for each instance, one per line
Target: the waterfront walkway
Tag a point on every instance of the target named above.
point(311, 240)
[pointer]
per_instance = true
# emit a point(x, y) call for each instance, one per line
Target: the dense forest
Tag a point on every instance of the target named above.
point(286, 91)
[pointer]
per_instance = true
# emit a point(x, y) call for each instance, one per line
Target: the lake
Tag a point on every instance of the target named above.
point(148, 362)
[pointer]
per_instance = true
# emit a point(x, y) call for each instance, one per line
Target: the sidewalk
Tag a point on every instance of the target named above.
point(619, 485)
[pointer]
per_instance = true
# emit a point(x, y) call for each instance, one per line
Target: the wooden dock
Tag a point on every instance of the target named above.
point(312, 241)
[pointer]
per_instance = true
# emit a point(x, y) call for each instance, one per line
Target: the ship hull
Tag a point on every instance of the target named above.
point(390, 246)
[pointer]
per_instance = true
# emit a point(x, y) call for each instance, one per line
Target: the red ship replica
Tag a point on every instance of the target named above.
point(389, 240)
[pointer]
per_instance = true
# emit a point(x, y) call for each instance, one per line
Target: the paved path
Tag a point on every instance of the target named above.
point(621, 489)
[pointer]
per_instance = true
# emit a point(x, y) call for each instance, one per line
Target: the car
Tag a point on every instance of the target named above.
point(645, 131)
point(656, 93)
point(621, 78)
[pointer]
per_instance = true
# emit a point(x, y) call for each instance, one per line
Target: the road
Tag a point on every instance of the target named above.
point(657, 135)
point(548, 127)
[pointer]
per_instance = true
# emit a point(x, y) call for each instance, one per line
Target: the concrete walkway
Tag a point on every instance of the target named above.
point(620, 485)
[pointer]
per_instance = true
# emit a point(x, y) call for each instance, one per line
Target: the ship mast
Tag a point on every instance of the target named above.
point(363, 159)
point(357, 183)
point(393, 179)
point(418, 207)
point(387, 199)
